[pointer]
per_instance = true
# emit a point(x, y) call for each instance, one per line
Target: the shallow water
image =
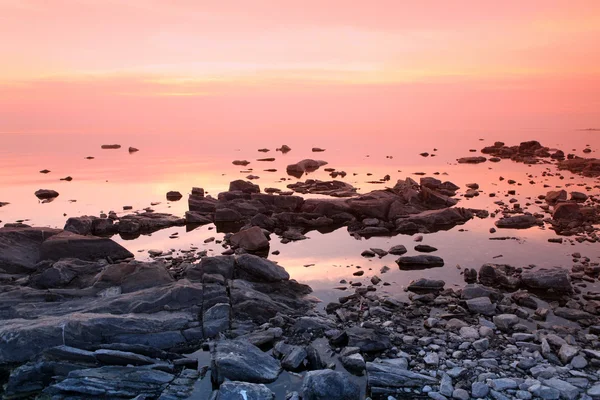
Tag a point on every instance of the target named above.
point(115, 178)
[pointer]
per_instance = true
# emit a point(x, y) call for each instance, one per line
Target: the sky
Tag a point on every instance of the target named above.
point(66, 62)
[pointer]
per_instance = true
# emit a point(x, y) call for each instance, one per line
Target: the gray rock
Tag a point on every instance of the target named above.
point(505, 322)
point(545, 392)
point(71, 354)
point(116, 357)
point(354, 363)
point(479, 390)
point(260, 269)
point(481, 345)
point(436, 396)
point(329, 385)
point(216, 319)
point(503, 384)
point(117, 382)
point(567, 352)
point(594, 391)
point(20, 248)
point(242, 361)
point(468, 332)
point(88, 248)
point(579, 362)
point(446, 387)
point(232, 390)
point(426, 285)
point(556, 279)
point(518, 222)
point(567, 391)
point(386, 375)
point(460, 394)
point(481, 305)
point(294, 359)
point(368, 340)
point(398, 250)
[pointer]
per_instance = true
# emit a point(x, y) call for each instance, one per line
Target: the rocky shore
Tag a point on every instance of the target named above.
point(82, 319)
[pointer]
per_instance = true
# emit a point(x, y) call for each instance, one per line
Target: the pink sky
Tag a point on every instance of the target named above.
point(67, 61)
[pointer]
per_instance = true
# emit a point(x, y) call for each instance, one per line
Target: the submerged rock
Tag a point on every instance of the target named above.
point(46, 194)
point(419, 262)
point(518, 222)
point(304, 166)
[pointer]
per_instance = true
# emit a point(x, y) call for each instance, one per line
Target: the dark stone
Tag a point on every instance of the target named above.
point(329, 385)
point(89, 248)
point(242, 361)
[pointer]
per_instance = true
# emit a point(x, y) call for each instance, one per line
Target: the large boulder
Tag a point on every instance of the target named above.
point(90, 248)
point(329, 385)
point(243, 186)
point(20, 248)
point(252, 239)
point(556, 279)
point(255, 268)
point(241, 361)
point(567, 211)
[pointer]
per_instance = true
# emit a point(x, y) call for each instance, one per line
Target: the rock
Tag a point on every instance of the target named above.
point(579, 197)
point(317, 323)
point(446, 387)
point(481, 305)
point(460, 394)
point(479, 390)
point(284, 149)
point(304, 166)
point(148, 222)
point(424, 284)
point(174, 196)
point(594, 391)
point(89, 248)
point(567, 211)
point(471, 160)
point(133, 150)
point(556, 279)
point(260, 269)
point(242, 163)
point(579, 362)
point(193, 217)
point(133, 276)
point(567, 391)
point(46, 194)
point(216, 319)
point(388, 375)
point(110, 146)
point(242, 361)
point(116, 357)
point(556, 196)
point(518, 222)
point(354, 363)
point(367, 340)
point(505, 322)
point(232, 390)
point(423, 248)
point(419, 262)
point(294, 359)
point(228, 215)
point(329, 188)
point(252, 239)
point(70, 272)
point(567, 352)
point(20, 248)
point(329, 385)
point(118, 382)
point(398, 250)
point(503, 384)
point(243, 186)
point(468, 332)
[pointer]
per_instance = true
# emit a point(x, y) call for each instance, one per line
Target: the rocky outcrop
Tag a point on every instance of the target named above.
point(89, 248)
point(20, 248)
point(329, 188)
point(589, 167)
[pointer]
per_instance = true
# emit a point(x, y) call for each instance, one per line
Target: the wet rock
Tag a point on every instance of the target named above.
point(423, 248)
point(148, 222)
point(133, 150)
point(284, 149)
point(216, 319)
point(193, 217)
point(232, 390)
point(294, 359)
point(317, 150)
point(46, 194)
point(242, 361)
point(242, 163)
point(398, 250)
point(518, 222)
point(354, 363)
point(567, 211)
point(589, 167)
point(227, 215)
point(133, 276)
point(419, 262)
point(124, 358)
point(89, 248)
point(252, 239)
point(110, 146)
point(174, 196)
point(556, 279)
point(329, 385)
point(243, 186)
point(556, 196)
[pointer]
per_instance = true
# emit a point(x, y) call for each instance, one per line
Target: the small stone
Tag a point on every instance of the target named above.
point(479, 390)
point(460, 394)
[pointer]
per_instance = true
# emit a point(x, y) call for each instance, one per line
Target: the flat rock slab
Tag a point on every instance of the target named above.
point(113, 382)
point(242, 361)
